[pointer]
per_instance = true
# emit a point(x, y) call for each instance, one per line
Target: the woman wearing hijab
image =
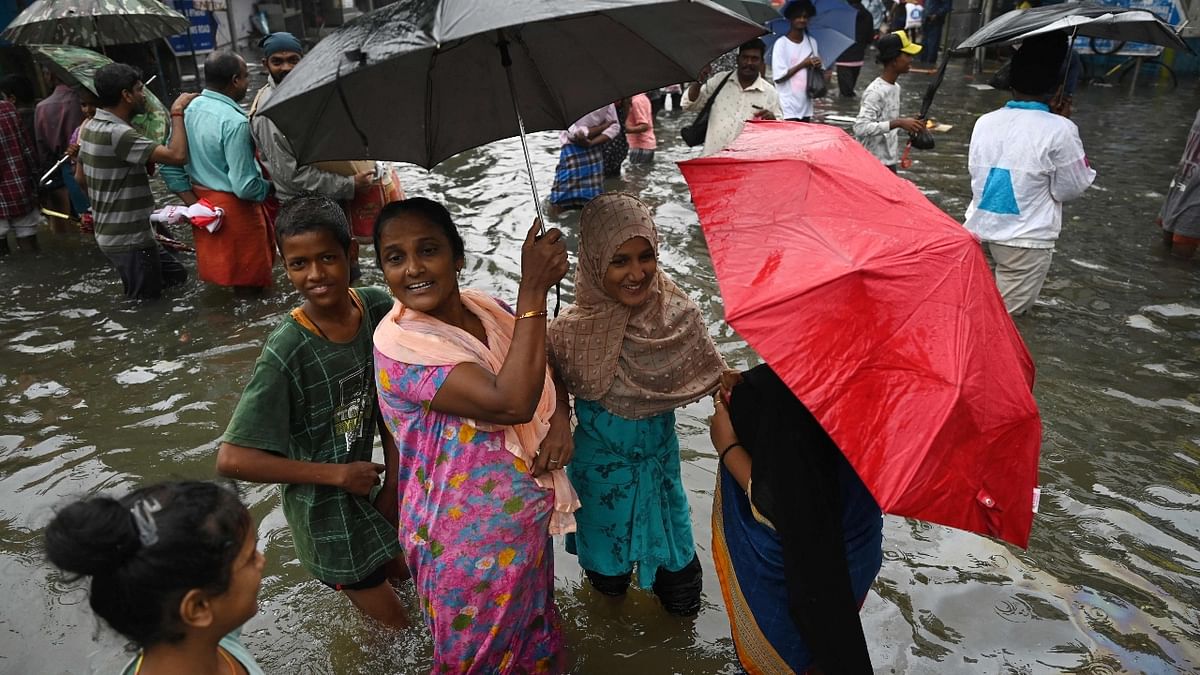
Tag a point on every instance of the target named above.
point(632, 349)
point(797, 538)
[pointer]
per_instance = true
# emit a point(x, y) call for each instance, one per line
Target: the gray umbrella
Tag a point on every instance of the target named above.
point(1083, 19)
point(94, 23)
point(758, 11)
point(422, 80)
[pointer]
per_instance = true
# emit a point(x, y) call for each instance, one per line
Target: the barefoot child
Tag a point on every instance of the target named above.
point(175, 568)
point(632, 349)
point(307, 418)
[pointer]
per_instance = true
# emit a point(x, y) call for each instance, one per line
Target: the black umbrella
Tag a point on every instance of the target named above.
point(422, 80)
point(1084, 19)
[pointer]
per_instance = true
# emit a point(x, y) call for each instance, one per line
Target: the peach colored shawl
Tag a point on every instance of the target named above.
point(409, 336)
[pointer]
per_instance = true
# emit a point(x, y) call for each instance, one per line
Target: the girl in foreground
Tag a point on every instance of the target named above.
point(632, 349)
point(175, 568)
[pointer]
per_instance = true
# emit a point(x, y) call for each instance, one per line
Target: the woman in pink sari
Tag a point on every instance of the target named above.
point(466, 394)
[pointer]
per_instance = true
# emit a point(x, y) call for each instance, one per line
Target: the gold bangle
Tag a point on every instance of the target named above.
point(530, 315)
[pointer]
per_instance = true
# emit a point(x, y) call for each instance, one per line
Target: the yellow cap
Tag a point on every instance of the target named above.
point(907, 46)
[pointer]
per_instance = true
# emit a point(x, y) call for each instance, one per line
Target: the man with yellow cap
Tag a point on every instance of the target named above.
point(878, 123)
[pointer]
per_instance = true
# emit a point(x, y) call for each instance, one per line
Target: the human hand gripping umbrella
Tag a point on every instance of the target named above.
point(420, 81)
point(879, 312)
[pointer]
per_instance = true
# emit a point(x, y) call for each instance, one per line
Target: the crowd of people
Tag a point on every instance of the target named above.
point(500, 426)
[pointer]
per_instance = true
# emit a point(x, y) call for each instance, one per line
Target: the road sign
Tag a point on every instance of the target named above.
point(203, 31)
point(1170, 11)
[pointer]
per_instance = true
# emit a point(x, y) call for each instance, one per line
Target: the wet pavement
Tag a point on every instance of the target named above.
point(100, 394)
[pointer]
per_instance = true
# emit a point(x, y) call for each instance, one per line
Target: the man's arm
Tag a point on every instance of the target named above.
point(1072, 175)
point(175, 153)
point(291, 179)
point(244, 174)
point(698, 92)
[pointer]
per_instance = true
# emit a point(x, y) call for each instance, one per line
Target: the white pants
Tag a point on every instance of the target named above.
point(26, 225)
point(1020, 273)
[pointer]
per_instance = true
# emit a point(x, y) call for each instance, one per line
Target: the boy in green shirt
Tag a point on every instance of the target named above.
point(306, 420)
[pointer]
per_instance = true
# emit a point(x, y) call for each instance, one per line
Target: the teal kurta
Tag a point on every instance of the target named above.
point(635, 510)
point(220, 150)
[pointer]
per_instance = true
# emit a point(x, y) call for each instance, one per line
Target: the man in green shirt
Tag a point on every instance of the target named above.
point(307, 417)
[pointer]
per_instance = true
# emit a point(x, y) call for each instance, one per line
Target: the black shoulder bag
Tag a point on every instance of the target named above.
point(695, 133)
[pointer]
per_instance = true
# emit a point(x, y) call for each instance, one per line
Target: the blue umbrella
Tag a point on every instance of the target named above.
point(832, 29)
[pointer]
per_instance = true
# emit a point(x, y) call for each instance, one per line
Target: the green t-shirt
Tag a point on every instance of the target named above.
point(313, 400)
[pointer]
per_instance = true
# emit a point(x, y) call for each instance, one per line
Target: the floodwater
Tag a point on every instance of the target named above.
point(102, 395)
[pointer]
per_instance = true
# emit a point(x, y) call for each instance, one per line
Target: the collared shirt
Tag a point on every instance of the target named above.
point(114, 157)
point(880, 105)
point(1025, 161)
point(17, 165)
point(54, 119)
point(732, 107)
point(601, 117)
point(313, 400)
point(276, 152)
point(220, 150)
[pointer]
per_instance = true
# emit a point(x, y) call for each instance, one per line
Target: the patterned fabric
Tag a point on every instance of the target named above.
point(880, 105)
point(1180, 212)
point(749, 561)
point(636, 362)
point(635, 510)
point(114, 157)
point(242, 252)
point(415, 338)
point(220, 150)
point(312, 400)
point(473, 524)
point(579, 176)
point(17, 165)
point(95, 22)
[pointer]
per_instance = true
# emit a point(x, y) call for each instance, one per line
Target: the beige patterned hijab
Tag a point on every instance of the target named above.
point(637, 362)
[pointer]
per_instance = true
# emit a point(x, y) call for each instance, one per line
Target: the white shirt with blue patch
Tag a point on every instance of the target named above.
point(1025, 161)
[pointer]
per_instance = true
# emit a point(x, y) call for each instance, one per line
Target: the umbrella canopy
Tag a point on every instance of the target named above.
point(94, 23)
point(1085, 19)
point(832, 28)
point(758, 11)
point(78, 66)
point(420, 81)
point(880, 313)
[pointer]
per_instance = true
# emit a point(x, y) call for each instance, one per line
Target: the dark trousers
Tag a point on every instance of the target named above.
point(847, 79)
point(146, 272)
point(933, 40)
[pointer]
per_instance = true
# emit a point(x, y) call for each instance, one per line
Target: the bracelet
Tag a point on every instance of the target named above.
point(721, 457)
point(533, 313)
point(175, 114)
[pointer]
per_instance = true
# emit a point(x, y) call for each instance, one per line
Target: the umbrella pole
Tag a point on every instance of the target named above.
point(506, 61)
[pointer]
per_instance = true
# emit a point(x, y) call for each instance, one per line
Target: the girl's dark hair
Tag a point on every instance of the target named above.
point(309, 213)
point(137, 588)
point(433, 213)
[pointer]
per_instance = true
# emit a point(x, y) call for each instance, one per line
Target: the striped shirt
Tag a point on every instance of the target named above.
point(114, 158)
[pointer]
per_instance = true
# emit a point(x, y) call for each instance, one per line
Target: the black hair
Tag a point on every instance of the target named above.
point(137, 588)
point(1037, 65)
point(220, 68)
point(17, 86)
point(756, 43)
point(798, 7)
point(433, 213)
point(311, 213)
point(113, 79)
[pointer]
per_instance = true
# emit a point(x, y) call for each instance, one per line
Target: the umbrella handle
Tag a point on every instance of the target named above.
point(46, 176)
point(506, 61)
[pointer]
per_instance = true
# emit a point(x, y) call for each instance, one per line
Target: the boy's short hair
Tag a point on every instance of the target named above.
point(756, 43)
point(311, 213)
point(797, 7)
point(113, 79)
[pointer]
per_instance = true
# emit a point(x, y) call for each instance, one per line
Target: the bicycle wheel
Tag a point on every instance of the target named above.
point(1152, 74)
point(1116, 47)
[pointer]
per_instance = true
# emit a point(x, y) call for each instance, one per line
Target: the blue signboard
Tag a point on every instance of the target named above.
point(203, 32)
point(1170, 11)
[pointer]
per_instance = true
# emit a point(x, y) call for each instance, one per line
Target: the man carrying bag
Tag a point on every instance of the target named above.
point(725, 110)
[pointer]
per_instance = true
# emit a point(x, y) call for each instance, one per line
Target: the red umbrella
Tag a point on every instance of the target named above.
point(880, 313)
